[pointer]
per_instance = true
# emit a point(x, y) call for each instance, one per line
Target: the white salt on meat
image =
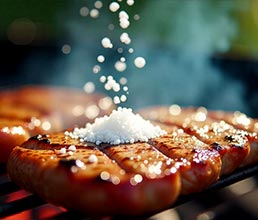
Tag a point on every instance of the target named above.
point(120, 127)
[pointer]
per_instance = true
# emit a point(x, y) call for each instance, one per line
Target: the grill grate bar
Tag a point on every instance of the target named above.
point(238, 175)
point(8, 187)
point(20, 205)
point(33, 201)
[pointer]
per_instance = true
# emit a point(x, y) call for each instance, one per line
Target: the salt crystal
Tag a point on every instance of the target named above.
point(62, 150)
point(101, 58)
point(116, 100)
point(124, 38)
point(123, 98)
point(124, 23)
point(92, 158)
point(98, 4)
point(139, 62)
point(114, 6)
point(123, 14)
point(121, 126)
point(130, 2)
point(106, 42)
point(94, 13)
point(72, 148)
point(120, 66)
point(102, 79)
point(89, 87)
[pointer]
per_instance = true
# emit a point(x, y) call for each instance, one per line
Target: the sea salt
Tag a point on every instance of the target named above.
point(114, 6)
point(121, 126)
point(106, 42)
point(139, 62)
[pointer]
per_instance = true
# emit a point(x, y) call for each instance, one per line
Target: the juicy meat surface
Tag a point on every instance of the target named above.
point(199, 164)
point(231, 143)
point(45, 109)
point(116, 180)
point(243, 122)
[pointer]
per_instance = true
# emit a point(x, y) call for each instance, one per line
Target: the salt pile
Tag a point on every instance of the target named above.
point(120, 127)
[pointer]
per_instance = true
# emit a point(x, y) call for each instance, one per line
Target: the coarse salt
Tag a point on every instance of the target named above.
point(121, 126)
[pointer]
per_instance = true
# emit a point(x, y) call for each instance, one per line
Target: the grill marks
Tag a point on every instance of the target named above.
point(232, 144)
point(243, 122)
point(197, 150)
point(141, 158)
point(198, 163)
point(116, 183)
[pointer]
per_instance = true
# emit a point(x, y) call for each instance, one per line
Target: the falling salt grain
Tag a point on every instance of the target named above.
point(84, 11)
point(102, 79)
point(130, 50)
point(66, 49)
point(89, 87)
point(122, 59)
point(96, 69)
point(98, 4)
point(114, 6)
point(106, 42)
point(130, 2)
point(124, 19)
point(139, 62)
point(123, 98)
point(121, 126)
point(123, 80)
point(94, 13)
point(116, 100)
point(120, 66)
point(101, 58)
point(124, 38)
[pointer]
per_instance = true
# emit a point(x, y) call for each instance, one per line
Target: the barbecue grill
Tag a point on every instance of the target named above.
point(42, 62)
point(232, 196)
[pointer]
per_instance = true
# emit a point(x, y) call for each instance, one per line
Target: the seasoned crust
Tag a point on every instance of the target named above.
point(45, 109)
point(232, 144)
point(111, 185)
point(198, 163)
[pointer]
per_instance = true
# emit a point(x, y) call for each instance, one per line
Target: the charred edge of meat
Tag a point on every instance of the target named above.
point(38, 137)
point(230, 138)
point(67, 162)
point(45, 140)
point(216, 146)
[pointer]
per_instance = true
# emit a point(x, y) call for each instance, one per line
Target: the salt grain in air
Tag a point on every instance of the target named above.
point(114, 6)
point(120, 66)
point(106, 42)
point(121, 126)
point(100, 58)
point(139, 62)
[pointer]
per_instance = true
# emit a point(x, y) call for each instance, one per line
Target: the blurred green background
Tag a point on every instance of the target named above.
point(46, 17)
point(198, 52)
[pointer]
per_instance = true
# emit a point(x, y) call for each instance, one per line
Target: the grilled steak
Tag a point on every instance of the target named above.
point(199, 164)
point(243, 122)
point(41, 109)
point(231, 143)
point(113, 180)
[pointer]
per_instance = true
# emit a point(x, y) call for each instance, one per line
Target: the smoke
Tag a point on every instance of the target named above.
point(177, 38)
point(179, 46)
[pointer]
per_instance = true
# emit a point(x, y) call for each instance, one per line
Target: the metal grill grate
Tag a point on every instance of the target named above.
point(15, 201)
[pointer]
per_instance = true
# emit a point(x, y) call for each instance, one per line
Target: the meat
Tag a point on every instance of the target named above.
point(138, 178)
point(199, 164)
point(12, 133)
point(45, 109)
point(243, 122)
point(115, 180)
point(232, 144)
